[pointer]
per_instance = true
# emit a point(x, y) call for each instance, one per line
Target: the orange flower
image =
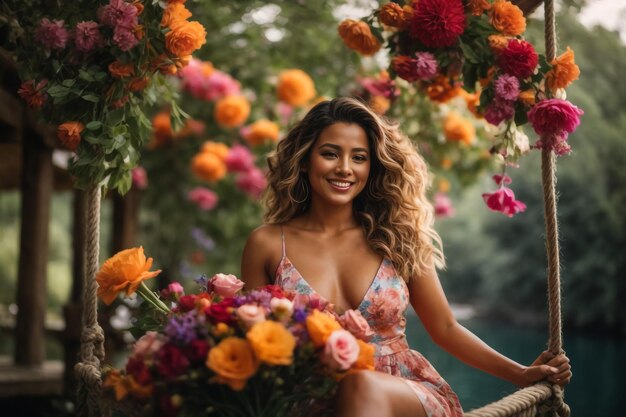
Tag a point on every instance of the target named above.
point(379, 104)
point(295, 87)
point(260, 131)
point(161, 129)
point(221, 150)
point(320, 326)
point(272, 342)
point(233, 361)
point(138, 84)
point(446, 163)
point(185, 37)
point(507, 18)
point(472, 100)
point(120, 70)
point(563, 72)
point(441, 90)
point(208, 166)
point(124, 271)
point(69, 134)
point(126, 384)
point(443, 186)
point(476, 7)
point(174, 12)
point(139, 31)
point(392, 14)
point(527, 97)
point(138, 6)
point(366, 356)
point(357, 35)
point(232, 111)
point(458, 129)
point(497, 42)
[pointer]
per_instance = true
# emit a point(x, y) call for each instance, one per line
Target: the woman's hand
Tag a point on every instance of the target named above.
point(555, 369)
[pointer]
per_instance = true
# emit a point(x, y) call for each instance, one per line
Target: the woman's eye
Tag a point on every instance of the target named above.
point(360, 158)
point(329, 155)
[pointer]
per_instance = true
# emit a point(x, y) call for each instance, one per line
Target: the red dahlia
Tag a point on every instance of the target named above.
point(518, 59)
point(437, 23)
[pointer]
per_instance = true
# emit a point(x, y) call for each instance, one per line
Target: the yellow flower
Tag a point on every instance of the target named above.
point(564, 71)
point(320, 326)
point(233, 361)
point(295, 87)
point(232, 111)
point(124, 271)
point(507, 18)
point(260, 131)
point(272, 342)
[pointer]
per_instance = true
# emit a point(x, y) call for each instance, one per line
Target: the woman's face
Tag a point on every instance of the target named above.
point(339, 164)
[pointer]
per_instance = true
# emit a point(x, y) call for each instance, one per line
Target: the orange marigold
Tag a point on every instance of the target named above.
point(124, 271)
point(120, 70)
point(208, 166)
point(392, 14)
point(261, 131)
point(498, 42)
point(477, 7)
point(563, 72)
point(458, 129)
point(357, 35)
point(527, 97)
point(184, 37)
point(161, 129)
point(233, 362)
point(218, 149)
point(272, 343)
point(320, 326)
point(232, 111)
point(295, 87)
point(379, 104)
point(174, 12)
point(69, 134)
point(507, 18)
point(441, 90)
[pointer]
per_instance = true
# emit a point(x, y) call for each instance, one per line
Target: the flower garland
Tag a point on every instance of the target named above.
point(446, 46)
point(90, 72)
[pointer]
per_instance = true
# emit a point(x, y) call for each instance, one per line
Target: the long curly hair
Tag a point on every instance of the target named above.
point(393, 210)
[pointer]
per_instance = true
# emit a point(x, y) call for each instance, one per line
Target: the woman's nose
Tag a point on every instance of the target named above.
point(344, 167)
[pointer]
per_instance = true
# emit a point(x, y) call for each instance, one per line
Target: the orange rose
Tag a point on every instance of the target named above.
point(174, 12)
point(120, 70)
point(366, 356)
point(458, 129)
point(295, 87)
point(232, 111)
point(507, 18)
point(379, 104)
point(527, 97)
point(125, 384)
point(392, 14)
point(260, 131)
point(184, 37)
point(69, 134)
point(139, 31)
point(357, 35)
point(441, 90)
point(221, 150)
point(476, 7)
point(563, 72)
point(320, 326)
point(208, 166)
point(233, 361)
point(272, 342)
point(124, 271)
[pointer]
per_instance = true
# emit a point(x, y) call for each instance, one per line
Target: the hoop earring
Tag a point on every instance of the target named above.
point(305, 186)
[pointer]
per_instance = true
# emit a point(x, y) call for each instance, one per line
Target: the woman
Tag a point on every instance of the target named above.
point(347, 204)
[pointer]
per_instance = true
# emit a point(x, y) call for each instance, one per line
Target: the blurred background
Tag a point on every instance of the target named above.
point(194, 221)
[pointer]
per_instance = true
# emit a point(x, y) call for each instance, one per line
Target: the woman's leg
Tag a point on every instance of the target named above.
point(376, 394)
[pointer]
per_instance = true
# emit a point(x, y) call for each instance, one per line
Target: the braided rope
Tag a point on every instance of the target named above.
point(520, 403)
point(92, 337)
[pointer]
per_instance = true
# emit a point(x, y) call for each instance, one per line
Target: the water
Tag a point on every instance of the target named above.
point(598, 363)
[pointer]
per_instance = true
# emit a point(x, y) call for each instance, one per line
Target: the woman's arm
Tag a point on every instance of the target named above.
point(431, 305)
point(256, 258)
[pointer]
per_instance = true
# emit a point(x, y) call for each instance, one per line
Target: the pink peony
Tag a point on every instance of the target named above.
point(205, 199)
point(124, 38)
point(194, 78)
point(139, 177)
point(507, 87)
point(503, 201)
point(51, 35)
point(499, 111)
point(426, 65)
point(355, 323)
point(518, 59)
point(239, 159)
point(554, 117)
point(252, 182)
point(148, 344)
point(443, 205)
point(219, 85)
point(118, 13)
point(437, 23)
point(225, 285)
point(174, 289)
point(250, 314)
point(87, 36)
point(341, 350)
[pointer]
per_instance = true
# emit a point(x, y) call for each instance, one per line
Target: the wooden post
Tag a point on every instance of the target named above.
point(37, 175)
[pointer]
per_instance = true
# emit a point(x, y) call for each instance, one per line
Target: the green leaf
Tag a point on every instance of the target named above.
point(94, 125)
point(58, 91)
point(91, 98)
point(99, 76)
point(84, 75)
point(69, 82)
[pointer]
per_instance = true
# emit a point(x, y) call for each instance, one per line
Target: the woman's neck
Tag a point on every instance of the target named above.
point(328, 219)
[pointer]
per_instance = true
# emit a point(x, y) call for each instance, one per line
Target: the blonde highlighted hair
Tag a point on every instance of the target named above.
point(396, 216)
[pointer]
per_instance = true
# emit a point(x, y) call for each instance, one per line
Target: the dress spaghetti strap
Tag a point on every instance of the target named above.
point(282, 236)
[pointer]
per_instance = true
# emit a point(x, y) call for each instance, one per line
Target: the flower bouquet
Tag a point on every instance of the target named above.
point(226, 352)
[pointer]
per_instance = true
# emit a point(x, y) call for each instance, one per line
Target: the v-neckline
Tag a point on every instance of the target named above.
point(286, 258)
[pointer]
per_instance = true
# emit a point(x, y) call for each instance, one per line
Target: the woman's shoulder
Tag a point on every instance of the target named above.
point(264, 236)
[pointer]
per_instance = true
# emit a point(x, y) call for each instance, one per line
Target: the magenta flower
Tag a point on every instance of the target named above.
point(285, 111)
point(51, 35)
point(504, 201)
point(502, 179)
point(219, 85)
point(507, 87)
point(124, 38)
point(87, 36)
point(239, 159)
point(443, 205)
point(139, 178)
point(426, 65)
point(118, 13)
point(252, 182)
point(194, 79)
point(498, 111)
point(205, 199)
point(554, 117)
point(380, 87)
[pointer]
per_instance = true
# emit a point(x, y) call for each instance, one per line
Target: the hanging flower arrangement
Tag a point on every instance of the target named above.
point(91, 69)
point(447, 48)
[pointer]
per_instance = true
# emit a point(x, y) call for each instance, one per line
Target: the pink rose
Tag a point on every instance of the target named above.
point(341, 350)
point(139, 177)
point(173, 289)
point(239, 159)
point(205, 199)
point(504, 201)
point(281, 307)
point(355, 323)
point(251, 314)
point(225, 285)
point(148, 344)
point(554, 117)
point(443, 205)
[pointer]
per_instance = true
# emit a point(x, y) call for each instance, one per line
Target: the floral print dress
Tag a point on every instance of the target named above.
point(384, 306)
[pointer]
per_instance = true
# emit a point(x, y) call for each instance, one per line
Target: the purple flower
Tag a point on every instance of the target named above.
point(202, 239)
point(118, 13)
point(426, 65)
point(183, 328)
point(554, 117)
point(498, 111)
point(52, 35)
point(507, 87)
point(87, 36)
point(299, 315)
point(202, 281)
point(124, 38)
